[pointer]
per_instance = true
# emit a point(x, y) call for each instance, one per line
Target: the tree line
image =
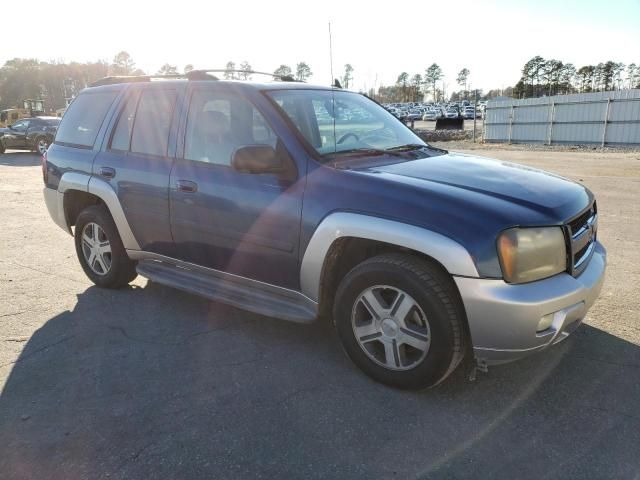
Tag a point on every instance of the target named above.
point(414, 88)
point(542, 77)
point(57, 83)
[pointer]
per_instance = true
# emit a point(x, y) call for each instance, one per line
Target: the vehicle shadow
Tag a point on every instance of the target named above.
point(15, 158)
point(148, 382)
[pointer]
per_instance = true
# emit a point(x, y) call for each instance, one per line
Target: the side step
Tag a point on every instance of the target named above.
point(247, 294)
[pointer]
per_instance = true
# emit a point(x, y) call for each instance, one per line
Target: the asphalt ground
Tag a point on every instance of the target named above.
point(149, 382)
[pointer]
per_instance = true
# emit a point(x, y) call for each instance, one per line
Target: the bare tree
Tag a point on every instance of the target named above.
point(463, 76)
point(348, 75)
point(283, 71)
point(246, 69)
point(632, 71)
point(432, 75)
point(123, 64)
point(229, 74)
point(303, 71)
point(167, 69)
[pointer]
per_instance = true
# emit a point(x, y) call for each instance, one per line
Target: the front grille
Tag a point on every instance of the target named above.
point(582, 232)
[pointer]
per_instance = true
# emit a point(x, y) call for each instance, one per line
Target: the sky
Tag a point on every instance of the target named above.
point(493, 39)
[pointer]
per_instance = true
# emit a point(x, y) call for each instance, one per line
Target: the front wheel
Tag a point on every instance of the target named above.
point(400, 319)
point(100, 250)
point(41, 145)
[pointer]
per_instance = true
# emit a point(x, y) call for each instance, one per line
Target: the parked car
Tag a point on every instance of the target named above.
point(35, 134)
point(430, 115)
point(469, 113)
point(237, 192)
point(452, 113)
point(414, 114)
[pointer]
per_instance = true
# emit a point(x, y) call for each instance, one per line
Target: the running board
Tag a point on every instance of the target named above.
point(244, 293)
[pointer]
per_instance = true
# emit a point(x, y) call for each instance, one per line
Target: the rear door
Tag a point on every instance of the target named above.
point(137, 161)
point(241, 223)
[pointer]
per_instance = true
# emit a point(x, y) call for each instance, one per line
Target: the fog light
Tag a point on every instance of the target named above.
point(545, 322)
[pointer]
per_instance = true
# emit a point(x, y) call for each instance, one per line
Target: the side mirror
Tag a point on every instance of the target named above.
point(256, 159)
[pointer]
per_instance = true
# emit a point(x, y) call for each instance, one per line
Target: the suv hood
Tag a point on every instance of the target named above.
point(531, 188)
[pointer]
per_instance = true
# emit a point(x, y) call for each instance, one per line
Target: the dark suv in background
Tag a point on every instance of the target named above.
point(303, 202)
point(35, 134)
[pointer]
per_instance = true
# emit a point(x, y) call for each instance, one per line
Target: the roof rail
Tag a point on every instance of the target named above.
point(199, 74)
point(193, 75)
point(283, 78)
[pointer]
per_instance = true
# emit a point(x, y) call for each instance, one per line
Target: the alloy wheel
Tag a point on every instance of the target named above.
point(96, 248)
point(390, 327)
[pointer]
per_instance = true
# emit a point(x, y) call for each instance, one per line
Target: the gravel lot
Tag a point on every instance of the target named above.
point(149, 382)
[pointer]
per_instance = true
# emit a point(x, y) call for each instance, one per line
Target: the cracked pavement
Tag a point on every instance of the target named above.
point(149, 382)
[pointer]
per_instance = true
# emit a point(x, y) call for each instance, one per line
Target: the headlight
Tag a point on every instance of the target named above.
point(528, 254)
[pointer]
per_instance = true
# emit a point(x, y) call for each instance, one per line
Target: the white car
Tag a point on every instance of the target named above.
point(430, 115)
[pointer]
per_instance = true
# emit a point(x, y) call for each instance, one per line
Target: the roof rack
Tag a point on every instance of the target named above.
point(283, 78)
point(193, 75)
point(199, 74)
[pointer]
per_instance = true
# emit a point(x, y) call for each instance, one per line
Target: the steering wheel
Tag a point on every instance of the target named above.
point(347, 135)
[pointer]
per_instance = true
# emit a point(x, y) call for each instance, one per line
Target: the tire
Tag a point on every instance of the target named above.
point(40, 145)
point(107, 269)
point(436, 321)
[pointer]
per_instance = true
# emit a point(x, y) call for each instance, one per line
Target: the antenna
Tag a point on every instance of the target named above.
point(330, 55)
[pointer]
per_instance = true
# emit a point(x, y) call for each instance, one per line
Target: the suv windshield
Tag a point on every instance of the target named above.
point(334, 122)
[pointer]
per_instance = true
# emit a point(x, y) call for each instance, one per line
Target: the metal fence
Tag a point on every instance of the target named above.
point(601, 118)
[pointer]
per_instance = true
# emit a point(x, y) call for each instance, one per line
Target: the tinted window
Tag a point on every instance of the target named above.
point(82, 120)
point(153, 122)
point(122, 135)
point(21, 125)
point(219, 122)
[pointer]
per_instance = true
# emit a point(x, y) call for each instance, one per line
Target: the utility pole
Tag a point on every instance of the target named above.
point(475, 105)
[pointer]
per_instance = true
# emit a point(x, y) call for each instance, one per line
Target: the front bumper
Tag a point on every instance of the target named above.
point(503, 318)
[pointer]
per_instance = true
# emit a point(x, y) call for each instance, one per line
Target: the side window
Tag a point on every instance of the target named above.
point(153, 122)
point(83, 119)
point(21, 125)
point(121, 139)
point(218, 123)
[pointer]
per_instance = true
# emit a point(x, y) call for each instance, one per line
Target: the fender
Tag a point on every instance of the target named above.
point(453, 256)
point(103, 190)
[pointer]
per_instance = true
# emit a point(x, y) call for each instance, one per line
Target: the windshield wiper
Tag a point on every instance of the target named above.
point(415, 146)
point(364, 151)
point(407, 148)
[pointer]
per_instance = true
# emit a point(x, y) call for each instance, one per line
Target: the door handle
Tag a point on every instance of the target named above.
point(107, 172)
point(187, 186)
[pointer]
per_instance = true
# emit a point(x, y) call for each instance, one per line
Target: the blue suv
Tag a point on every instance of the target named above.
point(304, 202)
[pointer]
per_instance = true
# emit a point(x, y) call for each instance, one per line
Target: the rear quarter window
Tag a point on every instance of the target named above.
point(81, 122)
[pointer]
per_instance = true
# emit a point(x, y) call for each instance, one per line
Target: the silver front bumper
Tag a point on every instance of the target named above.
point(503, 318)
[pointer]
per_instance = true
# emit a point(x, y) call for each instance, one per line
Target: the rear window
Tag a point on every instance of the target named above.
point(82, 121)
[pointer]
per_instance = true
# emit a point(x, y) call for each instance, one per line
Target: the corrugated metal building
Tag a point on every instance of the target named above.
point(602, 118)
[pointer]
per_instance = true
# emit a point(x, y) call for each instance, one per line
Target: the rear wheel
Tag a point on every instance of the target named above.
point(100, 250)
point(401, 321)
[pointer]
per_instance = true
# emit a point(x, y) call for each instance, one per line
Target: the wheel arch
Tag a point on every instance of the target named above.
point(80, 190)
point(342, 240)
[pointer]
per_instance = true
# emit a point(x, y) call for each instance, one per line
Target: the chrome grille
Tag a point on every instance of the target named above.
point(582, 232)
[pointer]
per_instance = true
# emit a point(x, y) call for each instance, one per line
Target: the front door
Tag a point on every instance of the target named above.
point(17, 136)
point(246, 224)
